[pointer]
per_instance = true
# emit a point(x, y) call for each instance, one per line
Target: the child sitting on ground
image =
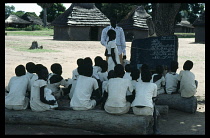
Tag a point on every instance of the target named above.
point(75, 75)
point(159, 79)
point(117, 87)
point(186, 80)
point(104, 85)
point(83, 97)
point(103, 73)
point(127, 74)
point(135, 73)
point(145, 91)
point(55, 80)
point(16, 98)
point(97, 67)
point(30, 68)
point(37, 99)
point(172, 78)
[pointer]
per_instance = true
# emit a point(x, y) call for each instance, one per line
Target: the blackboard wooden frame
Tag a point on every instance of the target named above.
point(154, 51)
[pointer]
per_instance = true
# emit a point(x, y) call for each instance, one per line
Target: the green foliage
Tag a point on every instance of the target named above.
point(13, 29)
point(120, 10)
point(43, 32)
point(9, 10)
point(54, 11)
point(18, 13)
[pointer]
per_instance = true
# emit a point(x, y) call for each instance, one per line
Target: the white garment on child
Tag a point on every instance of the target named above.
point(117, 88)
point(187, 83)
point(55, 87)
point(48, 96)
point(34, 77)
point(159, 83)
point(82, 93)
point(29, 75)
point(17, 90)
point(144, 93)
point(111, 64)
point(103, 76)
point(171, 82)
point(72, 88)
point(120, 38)
point(35, 102)
point(96, 69)
point(75, 74)
point(127, 75)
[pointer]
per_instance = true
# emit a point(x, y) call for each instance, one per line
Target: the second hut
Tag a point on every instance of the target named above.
point(80, 22)
point(135, 24)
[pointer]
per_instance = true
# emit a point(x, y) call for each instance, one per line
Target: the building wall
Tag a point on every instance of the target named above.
point(135, 34)
point(200, 34)
point(61, 33)
point(79, 33)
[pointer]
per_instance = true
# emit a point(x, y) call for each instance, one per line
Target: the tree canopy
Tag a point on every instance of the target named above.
point(191, 10)
point(54, 11)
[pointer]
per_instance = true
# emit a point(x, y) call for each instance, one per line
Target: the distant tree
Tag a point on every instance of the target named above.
point(19, 13)
point(54, 11)
point(44, 7)
point(9, 10)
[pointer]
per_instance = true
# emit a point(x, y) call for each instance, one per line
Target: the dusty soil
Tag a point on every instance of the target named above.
point(175, 123)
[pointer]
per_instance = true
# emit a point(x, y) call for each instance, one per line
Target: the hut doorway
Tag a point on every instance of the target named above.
point(93, 33)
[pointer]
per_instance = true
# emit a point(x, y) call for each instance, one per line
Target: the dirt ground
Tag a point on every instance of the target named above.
point(176, 122)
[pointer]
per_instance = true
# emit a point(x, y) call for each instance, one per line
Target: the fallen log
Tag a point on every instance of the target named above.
point(175, 101)
point(92, 120)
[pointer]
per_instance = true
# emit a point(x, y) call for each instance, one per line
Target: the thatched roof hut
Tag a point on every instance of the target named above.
point(134, 24)
point(16, 21)
point(184, 27)
point(81, 21)
point(199, 25)
point(33, 18)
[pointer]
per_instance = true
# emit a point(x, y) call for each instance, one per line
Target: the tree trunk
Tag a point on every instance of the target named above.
point(45, 16)
point(92, 120)
point(175, 101)
point(163, 15)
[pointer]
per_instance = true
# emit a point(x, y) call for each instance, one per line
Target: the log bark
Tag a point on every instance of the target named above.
point(175, 101)
point(92, 120)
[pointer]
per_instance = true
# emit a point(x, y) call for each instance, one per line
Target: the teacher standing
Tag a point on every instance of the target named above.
point(120, 39)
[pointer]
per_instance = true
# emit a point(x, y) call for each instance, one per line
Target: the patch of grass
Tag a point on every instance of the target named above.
point(19, 48)
point(185, 35)
point(47, 32)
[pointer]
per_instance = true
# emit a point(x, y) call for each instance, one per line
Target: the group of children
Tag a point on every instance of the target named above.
point(116, 91)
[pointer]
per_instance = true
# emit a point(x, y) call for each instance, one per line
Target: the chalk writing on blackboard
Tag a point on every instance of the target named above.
point(154, 51)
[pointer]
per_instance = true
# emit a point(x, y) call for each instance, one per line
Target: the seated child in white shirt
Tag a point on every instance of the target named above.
point(145, 91)
point(103, 73)
point(159, 79)
point(16, 98)
point(84, 97)
point(172, 78)
point(186, 80)
point(117, 87)
point(30, 68)
point(37, 99)
point(135, 73)
point(75, 75)
point(104, 85)
point(127, 74)
point(55, 80)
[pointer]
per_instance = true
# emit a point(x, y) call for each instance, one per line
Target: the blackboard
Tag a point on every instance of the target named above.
point(154, 51)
